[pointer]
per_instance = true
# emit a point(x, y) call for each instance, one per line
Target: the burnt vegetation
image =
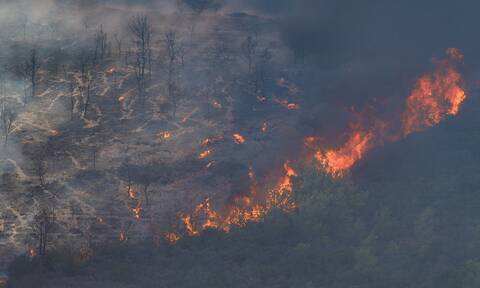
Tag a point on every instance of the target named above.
point(207, 143)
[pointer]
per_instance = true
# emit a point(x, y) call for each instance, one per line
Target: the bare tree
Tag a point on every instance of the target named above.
point(101, 45)
point(42, 226)
point(8, 115)
point(141, 31)
point(175, 55)
point(71, 90)
point(40, 168)
point(85, 83)
point(249, 50)
point(118, 44)
point(261, 72)
point(31, 67)
point(87, 91)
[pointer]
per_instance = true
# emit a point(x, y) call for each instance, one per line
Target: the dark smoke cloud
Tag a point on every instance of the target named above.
point(364, 51)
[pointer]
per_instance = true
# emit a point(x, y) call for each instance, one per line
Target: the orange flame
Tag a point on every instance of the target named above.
point(281, 196)
point(172, 237)
point(53, 132)
point(435, 95)
point(337, 161)
point(165, 135)
point(132, 194)
point(286, 104)
point(123, 236)
point(204, 154)
point(137, 210)
point(206, 141)
point(211, 141)
point(238, 138)
point(243, 209)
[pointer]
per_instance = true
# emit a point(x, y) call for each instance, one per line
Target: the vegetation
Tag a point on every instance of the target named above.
point(339, 237)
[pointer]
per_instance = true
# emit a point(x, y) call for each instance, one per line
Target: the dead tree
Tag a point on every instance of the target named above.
point(101, 45)
point(31, 67)
point(249, 50)
point(42, 226)
point(141, 31)
point(261, 72)
point(94, 157)
point(87, 91)
point(40, 169)
point(118, 44)
point(174, 54)
point(71, 90)
point(8, 115)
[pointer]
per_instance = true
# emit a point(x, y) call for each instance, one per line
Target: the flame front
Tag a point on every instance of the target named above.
point(251, 207)
point(336, 161)
point(435, 95)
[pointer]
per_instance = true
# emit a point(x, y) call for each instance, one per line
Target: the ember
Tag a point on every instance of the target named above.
point(238, 138)
point(204, 154)
point(165, 135)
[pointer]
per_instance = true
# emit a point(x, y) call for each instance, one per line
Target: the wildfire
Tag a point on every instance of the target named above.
point(281, 195)
point(216, 104)
point(253, 181)
point(166, 135)
point(137, 210)
point(132, 194)
point(244, 208)
point(337, 161)
point(172, 237)
point(238, 138)
point(286, 104)
point(204, 154)
point(32, 253)
point(264, 127)
point(435, 95)
point(211, 141)
point(123, 236)
point(110, 71)
point(53, 132)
